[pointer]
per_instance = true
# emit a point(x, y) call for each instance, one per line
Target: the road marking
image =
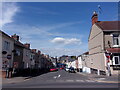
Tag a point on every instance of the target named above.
point(26, 79)
point(55, 77)
point(79, 80)
point(89, 80)
point(107, 81)
point(101, 78)
point(59, 76)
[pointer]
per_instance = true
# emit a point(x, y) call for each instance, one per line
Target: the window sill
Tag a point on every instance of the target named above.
point(116, 45)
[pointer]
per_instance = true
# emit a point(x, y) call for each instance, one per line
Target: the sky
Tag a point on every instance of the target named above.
point(55, 28)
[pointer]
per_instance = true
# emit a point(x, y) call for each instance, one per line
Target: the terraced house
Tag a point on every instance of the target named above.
point(6, 58)
point(104, 46)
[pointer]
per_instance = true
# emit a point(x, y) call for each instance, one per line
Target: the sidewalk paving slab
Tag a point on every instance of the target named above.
point(102, 78)
point(14, 80)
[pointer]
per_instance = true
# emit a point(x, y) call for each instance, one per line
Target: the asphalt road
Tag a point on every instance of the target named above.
point(60, 79)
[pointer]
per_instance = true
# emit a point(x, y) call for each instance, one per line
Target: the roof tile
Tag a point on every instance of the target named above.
point(109, 25)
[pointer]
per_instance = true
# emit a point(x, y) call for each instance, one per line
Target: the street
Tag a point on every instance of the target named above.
point(60, 79)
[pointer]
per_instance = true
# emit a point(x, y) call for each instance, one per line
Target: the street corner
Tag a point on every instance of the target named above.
point(14, 80)
point(105, 80)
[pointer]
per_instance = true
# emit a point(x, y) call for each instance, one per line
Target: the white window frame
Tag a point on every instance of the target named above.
point(114, 60)
point(6, 45)
point(115, 45)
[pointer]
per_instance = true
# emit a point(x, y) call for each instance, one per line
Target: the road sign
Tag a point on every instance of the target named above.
point(9, 56)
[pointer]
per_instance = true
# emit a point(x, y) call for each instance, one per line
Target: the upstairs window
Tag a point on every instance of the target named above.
point(116, 39)
point(6, 45)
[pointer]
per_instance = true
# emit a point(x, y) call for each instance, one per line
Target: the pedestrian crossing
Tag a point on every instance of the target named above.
point(70, 80)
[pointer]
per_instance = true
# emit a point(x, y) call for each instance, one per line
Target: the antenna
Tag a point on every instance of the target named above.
point(99, 9)
point(20, 38)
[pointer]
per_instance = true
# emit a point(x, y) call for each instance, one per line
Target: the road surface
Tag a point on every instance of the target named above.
point(60, 79)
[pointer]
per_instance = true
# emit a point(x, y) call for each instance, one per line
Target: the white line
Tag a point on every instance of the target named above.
point(89, 81)
point(55, 77)
point(59, 76)
point(79, 80)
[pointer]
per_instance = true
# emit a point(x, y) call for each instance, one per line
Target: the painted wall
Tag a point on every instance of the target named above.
point(6, 61)
point(26, 58)
point(96, 48)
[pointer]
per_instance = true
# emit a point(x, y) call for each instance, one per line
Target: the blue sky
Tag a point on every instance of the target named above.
point(54, 28)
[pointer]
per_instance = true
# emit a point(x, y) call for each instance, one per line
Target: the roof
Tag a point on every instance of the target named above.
point(19, 44)
point(113, 50)
point(6, 35)
point(86, 53)
point(109, 25)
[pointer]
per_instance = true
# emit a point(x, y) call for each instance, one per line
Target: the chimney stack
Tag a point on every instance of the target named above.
point(15, 37)
point(39, 52)
point(94, 18)
point(27, 45)
point(34, 50)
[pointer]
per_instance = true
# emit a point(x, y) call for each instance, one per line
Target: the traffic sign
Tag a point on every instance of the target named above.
point(9, 56)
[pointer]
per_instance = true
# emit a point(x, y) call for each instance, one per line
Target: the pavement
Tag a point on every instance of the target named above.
point(102, 78)
point(14, 80)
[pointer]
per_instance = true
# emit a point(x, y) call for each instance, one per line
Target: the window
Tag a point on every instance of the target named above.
point(116, 60)
point(27, 53)
point(18, 52)
point(116, 39)
point(6, 45)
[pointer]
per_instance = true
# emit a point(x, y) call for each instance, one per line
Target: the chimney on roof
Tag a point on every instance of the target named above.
point(39, 52)
point(15, 37)
point(27, 45)
point(94, 17)
point(34, 50)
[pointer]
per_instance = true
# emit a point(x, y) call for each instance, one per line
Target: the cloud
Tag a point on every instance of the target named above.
point(9, 10)
point(27, 32)
point(60, 40)
point(61, 51)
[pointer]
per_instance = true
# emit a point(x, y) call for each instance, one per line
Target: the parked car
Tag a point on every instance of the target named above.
point(72, 70)
point(61, 68)
point(53, 69)
point(67, 69)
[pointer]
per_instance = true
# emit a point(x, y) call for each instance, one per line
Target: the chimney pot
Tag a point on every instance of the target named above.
point(27, 45)
point(94, 17)
point(39, 52)
point(34, 50)
point(15, 37)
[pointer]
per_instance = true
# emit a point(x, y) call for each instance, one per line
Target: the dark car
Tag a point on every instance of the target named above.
point(71, 69)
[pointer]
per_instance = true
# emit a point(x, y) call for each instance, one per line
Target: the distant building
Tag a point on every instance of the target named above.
point(68, 60)
point(53, 60)
point(84, 63)
point(104, 46)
